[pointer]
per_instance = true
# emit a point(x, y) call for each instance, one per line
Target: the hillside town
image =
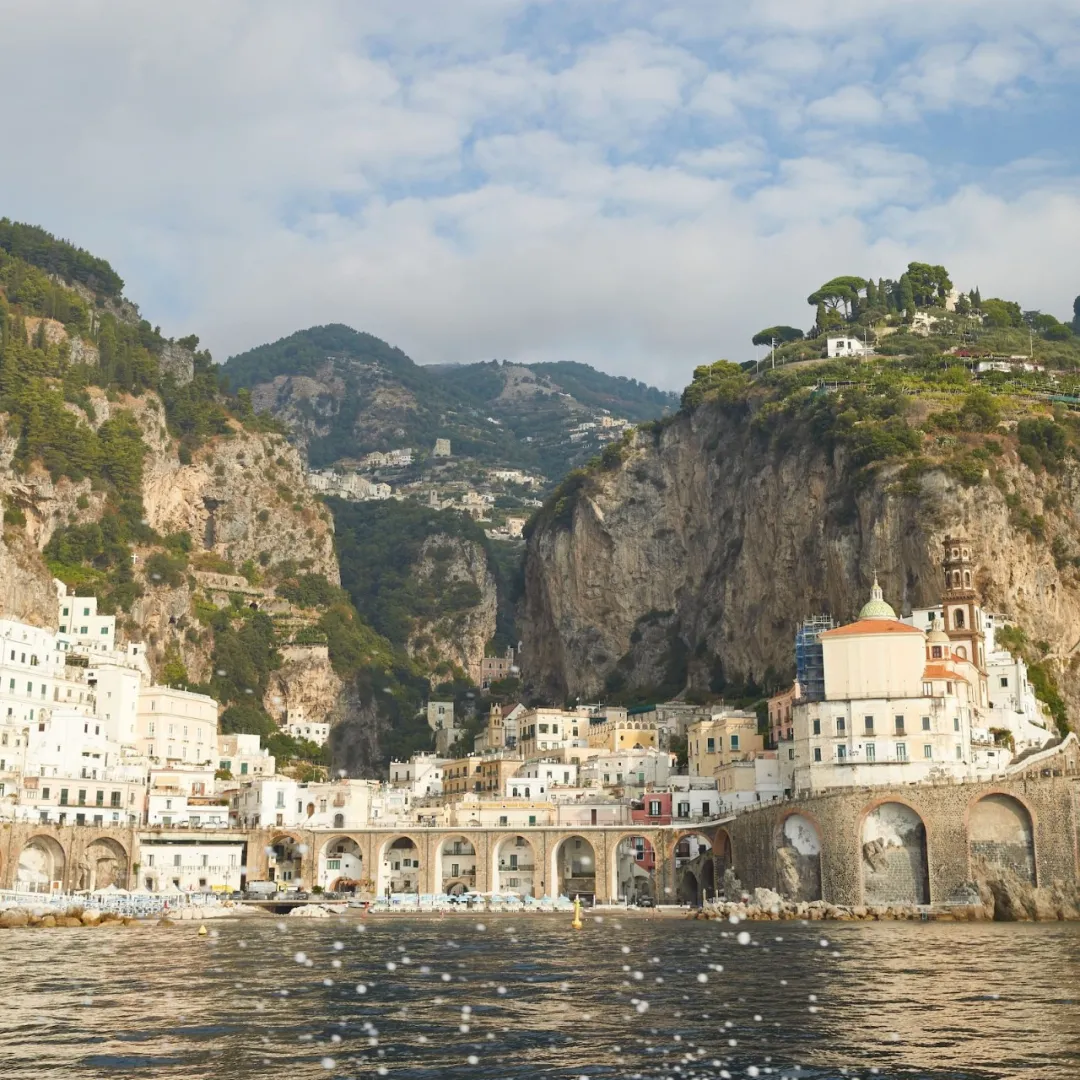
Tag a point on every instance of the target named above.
point(88, 739)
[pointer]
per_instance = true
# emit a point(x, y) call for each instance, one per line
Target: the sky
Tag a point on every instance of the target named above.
point(636, 184)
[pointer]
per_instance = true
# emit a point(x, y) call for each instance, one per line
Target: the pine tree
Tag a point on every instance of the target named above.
point(871, 293)
point(907, 297)
point(976, 298)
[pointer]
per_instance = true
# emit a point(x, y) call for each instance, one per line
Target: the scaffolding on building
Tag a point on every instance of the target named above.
point(809, 659)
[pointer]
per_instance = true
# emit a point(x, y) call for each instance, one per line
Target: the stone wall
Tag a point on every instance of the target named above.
point(962, 839)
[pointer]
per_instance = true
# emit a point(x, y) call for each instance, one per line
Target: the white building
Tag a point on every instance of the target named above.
point(81, 623)
point(300, 727)
point(626, 769)
point(845, 346)
point(243, 755)
point(421, 775)
point(186, 797)
point(191, 865)
point(552, 771)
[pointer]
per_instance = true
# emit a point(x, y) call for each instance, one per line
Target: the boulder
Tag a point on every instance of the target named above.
point(91, 918)
point(48, 920)
point(14, 917)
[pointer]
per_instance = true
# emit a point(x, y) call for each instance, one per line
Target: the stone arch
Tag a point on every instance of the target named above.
point(41, 866)
point(285, 855)
point(1001, 839)
point(634, 868)
point(513, 859)
point(573, 867)
point(798, 857)
point(958, 619)
point(399, 865)
point(104, 862)
point(455, 864)
point(694, 862)
point(340, 865)
point(895, 863)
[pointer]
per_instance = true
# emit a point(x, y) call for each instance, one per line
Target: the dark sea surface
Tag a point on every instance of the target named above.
point(514, 997)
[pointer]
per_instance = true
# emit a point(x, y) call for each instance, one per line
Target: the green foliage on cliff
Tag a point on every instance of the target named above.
point(33, 245)
point(379, 545)
point(723, 382)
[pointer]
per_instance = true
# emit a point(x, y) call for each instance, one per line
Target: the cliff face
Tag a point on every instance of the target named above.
point(693, 561)
point(458, 568)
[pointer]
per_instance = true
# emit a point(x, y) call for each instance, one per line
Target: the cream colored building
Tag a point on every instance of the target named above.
point(177, 726)
point(727, 736)
point(899, 706)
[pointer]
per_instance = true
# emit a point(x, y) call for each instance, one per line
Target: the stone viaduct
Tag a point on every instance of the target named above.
point(912, 845)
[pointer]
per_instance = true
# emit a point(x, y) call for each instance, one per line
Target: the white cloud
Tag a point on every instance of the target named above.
point(642, 193)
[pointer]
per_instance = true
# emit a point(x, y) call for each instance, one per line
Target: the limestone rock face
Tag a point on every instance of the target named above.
point(305, 681)
point(692, 562)
point(455, 567)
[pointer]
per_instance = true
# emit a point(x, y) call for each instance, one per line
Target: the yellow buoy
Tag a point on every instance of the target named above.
point(576, 924)
point(202, 931)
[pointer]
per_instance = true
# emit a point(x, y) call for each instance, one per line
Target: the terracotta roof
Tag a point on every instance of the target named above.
point(939, 671)
point(872, 626)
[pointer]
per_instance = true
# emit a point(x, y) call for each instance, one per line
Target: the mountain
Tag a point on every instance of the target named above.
point(683, 563)
point(128, 472)
point(344, 394)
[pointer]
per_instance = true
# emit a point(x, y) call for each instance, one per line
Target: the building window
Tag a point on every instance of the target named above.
point(959, 752)
point(956, 723)
point(280, 805)
point(63, 796)
point(1004, 680)
point(817, 727)
point(841, 753)
point(115, 800)
point(817, 753)
point(901, 751)
point(176, 860)
point(899, 721)
point(935, 652)
point(502, 819)
point(100, 799)
point(45, 793)
point(82, 796)
point(868, 724)
point(841, 725)
point(927, 751)
point(684, 809)
point(654, 808)
point(790, 754)
point(926, 723)
point(734, 742)
point(710, 746)
point(871, 752)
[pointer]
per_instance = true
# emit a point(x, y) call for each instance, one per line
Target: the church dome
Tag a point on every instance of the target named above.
point(937, 636)
point(875, 607)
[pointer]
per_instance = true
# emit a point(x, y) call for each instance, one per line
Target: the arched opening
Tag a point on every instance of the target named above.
point(1001, 846)
point(635, 871)
point(515, 867)
point(286, 861)
point(456, 863)
point(339, 821)
point(894, 857)
point(41, 866)
point(310, 809)
point(399, 867)
point(958, 619)
point(695, 874)
point(574, 869)
point(798, 859)
point(341, 866)
point(103, 863)
point(967, 579)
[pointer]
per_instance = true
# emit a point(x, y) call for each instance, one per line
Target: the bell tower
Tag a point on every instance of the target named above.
point(960, 603)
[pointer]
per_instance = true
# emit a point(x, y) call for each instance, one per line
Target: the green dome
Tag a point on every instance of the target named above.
point(875, 607)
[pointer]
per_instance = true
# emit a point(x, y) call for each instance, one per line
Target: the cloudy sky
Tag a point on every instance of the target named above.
point(639, 184)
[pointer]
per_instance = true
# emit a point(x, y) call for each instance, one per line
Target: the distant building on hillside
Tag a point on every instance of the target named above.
point(442, 448)
point(846, 346)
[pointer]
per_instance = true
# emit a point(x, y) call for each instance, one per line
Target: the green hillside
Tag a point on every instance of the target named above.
point(348, 393)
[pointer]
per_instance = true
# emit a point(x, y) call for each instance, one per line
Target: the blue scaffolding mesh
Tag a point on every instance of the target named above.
point(809, 663)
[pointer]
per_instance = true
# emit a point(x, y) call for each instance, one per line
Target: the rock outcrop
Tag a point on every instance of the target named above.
point(456, 568)
point(691, 562)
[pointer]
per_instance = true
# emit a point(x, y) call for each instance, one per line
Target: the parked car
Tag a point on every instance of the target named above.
point(645, 901)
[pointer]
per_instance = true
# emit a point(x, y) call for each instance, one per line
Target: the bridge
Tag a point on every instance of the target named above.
point(609, 862)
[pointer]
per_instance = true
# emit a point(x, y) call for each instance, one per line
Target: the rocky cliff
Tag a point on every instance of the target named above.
point(455, 568)
point(690, 562)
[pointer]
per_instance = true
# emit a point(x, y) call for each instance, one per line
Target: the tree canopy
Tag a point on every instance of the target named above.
point(783, 335)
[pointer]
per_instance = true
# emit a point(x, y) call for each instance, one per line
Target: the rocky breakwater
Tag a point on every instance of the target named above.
point(648, 571)
point(17, 916)
point(978, 902)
